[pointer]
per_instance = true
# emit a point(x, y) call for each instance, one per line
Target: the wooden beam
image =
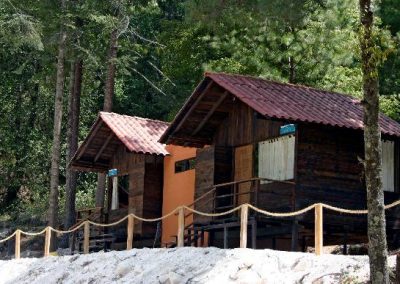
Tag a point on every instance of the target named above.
point(103, 147)
point(130, 229)
point(47, 242)
point(210, 113)
point(244, 214)
point(319, 235)
point(181, 227)
point(17, 244)
point(86, 236)
point(89, 139)
point(193, 106)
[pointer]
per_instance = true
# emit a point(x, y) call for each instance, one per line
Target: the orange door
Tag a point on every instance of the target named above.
point(243, 171)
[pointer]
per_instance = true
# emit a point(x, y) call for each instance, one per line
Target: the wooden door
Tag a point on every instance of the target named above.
point(243, 171)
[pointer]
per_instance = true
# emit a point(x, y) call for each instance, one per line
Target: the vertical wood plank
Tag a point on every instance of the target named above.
point(86, 236)
point(319, 235)
point(130, 230)
point(244, 214)
point(18, 244)
point(47, 241)
point(181, 227)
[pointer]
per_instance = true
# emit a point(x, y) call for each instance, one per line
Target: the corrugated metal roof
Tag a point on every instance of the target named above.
point(299, 103)
point(138, 134)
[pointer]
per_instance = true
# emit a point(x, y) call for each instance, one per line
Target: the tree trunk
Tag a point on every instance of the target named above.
point(72, 144)
point(372, 140)
point(108, 103)
point(58, 105)
point(110, 80)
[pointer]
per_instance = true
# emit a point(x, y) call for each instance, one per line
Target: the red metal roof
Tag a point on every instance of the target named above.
point(138, 134)
point(299, 103)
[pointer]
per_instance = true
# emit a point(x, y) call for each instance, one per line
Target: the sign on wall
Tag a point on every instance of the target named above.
point(113, 172)
point(287, 129)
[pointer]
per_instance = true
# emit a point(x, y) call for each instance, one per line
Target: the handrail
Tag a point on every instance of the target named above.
point(88, 209)
point(244, 208)
point(96, 209)
point(215, 187)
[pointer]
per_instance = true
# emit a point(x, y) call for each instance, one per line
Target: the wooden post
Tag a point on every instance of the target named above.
point(130, 230)
point(244, 213)
point(17, 244)
point(47, 241)
point(319, 230)
point(181, 227)
point(86, 236)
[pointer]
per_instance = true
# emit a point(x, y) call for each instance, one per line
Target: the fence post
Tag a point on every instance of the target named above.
point(86, 236)
point(244, 213)
point(17, 244)
point(181, 227)
point(47, 241)
point(130, 230)
point(319, 229)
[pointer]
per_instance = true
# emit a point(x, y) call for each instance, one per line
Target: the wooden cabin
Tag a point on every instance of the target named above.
point(281, 147)
point(145, 177)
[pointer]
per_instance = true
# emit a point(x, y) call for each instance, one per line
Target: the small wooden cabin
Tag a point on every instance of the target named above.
point(281, 147)
point(126, 148)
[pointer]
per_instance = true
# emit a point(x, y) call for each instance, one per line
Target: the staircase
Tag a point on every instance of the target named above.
point(99, 238)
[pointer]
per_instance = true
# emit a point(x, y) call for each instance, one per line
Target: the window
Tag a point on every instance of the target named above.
point(388, 165)
point(184, 165)
point(276, 158)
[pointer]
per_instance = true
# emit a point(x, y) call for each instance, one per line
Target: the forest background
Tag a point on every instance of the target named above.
point(161, 50)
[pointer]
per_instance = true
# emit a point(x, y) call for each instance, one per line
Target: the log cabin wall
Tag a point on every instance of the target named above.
point(204, 181)
point(328, 168)
point(152, 197)
point(244, 126)
point(145, 186)
point(329, 171)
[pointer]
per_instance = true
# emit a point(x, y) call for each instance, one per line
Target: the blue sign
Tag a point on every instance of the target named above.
point(287, 129)
point(112, 172)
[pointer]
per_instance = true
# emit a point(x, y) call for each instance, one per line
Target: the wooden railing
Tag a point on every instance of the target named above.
point(244, 213)
point(255, 190)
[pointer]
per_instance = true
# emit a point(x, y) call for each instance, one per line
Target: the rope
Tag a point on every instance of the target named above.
point(393, 204)
point(9, 237)
point(346, 211)
point(33, 234)
point(268, 213)
point(359, 212)
point(68, 231)
point(276, 214)
point(212, 214)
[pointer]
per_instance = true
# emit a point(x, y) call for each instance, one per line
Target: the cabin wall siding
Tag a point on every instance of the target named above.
point(152, 196)
point(204, 180)
point(242, 126)
point(145, 185)
point(328, 168)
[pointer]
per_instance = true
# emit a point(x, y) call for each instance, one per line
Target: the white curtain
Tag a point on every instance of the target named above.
point(276, 158)
point(115, 199)
point(388, 165)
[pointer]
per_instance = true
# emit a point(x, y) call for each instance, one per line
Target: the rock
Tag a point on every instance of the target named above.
point(248, 277)
point(171, 278)
point(123, 269)
point(301, 265)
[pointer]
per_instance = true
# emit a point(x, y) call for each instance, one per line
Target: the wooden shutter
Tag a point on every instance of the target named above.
point(276, 158)
point(388, 165)
point(243, 171)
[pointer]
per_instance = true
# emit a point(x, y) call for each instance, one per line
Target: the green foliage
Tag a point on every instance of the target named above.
point(164, 47)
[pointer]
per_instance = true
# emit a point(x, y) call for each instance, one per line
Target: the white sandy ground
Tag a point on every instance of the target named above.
point(189, 265)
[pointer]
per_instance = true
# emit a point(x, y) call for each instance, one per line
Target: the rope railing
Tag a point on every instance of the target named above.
point(244, 208)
